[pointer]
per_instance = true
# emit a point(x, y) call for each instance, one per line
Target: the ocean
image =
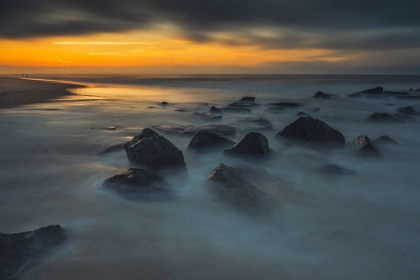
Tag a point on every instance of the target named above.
point(361, 226)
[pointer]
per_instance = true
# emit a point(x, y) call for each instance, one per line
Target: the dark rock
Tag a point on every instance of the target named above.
point(252, 144)
point(287, 104)
point(407, 110)
point(363, 146)
point(312, 131)
point(237, 109)
point(409, 97)
point(204, 141)
point(385, 140)
point(256, 124)
point(164, 103)
point(354, 95)
point(113, 149)
point(334, 170)
point(208, 116)
point(179, 110)
point(137, 182)
point(230, 186)
point(418, 89)
point(383, 117)
point(248, 99)
point(374, 90)
point(302, 114)
point(215, 110)
point(410, 89)
point(225, 130)
point(322, 95)
point(153, 150)
point(20, 252)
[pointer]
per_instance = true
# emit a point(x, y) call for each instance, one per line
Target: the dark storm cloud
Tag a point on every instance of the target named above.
point(330, 24)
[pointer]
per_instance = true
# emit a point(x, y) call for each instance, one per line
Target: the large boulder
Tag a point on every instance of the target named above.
point(374, 90)
point(153, 150)
point(134, 181)
point(204, 141)
point(252, 144)
point(384, 118)
point(19, 252)
point(322, 95)
point(231, 186)
point(221, 129)
point(312, 131)
point(363, 146)
point(254, 124)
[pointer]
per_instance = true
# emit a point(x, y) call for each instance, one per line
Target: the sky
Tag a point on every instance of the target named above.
point(203, 36)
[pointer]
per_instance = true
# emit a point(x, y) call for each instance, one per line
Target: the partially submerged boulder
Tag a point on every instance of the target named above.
point(230, 186)
point(237, 109)
point(135, 181)
point(302, 114)
point(248, 99)
point(215, 110)
point(363, 146)
point(208, 116)
point(205, 141)
point(385, 140)
point(374, 90)
point(19, 252)
point(252, 144)
point(153, 150)
point(407, 110)
point(221, 129)
point(383, 117)
point(287, 104)
point(312, 131)
point(255, 124)
point(322, 95)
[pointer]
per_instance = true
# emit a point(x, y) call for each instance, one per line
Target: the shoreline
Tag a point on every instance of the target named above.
point(16, 92)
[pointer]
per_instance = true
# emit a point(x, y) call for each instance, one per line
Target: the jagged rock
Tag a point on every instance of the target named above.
point(215, 110)
point(334, 170)
point(374, 90)
point(134, 181)
point(252, 144)
point(255, 124)
point(322, 95)
point(20, 252)
point(208, 116)
point(153, 150)
point(383, 117)
point(230, 186)
point(248, 99)
point(221, 129)
point(113, 149)
point(363, 146)
point(407, 110)
point(312, 131)
point(385, 140)
point(205, 141)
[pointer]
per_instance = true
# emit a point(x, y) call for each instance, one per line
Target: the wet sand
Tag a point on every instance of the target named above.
point(18, 92)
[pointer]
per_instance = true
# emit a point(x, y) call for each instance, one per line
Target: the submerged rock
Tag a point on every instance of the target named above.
point(255, 124)
point(418, 89)
point(113, 149)
point(164, 103)
point(409, 97)
point(385, 140)
point(287, 104)
point(19, 252)
point(383, 117)
point(230, 186)
point(405, 118)
point(322, 95)
point(221, 129)
point(363, 146)
point(237, 109)
point(302, 114)
point(215, 110)
point(204, 141)
point(312, 131)
point(252, 144)
point(407, 110)
point(137, 182)
point(374, 90)
point(153, 150)
point(248, 99)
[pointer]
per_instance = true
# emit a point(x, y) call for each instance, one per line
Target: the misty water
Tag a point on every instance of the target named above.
point(362, 226)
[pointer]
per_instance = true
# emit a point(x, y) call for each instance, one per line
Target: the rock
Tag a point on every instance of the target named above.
point(248, 99)
point(322, 95)
point(215, 110)
point(287, 104)
point(409, 97)
point(255, 124)
point(179, 110)
point(230, 186)
point(362, 146)
point(354, 95)
point(225, 130)
point(410, 89)
point(334, 170)
point(374, 90)
point(111, 128)
point(383, 117)
point(236, 109)
point(164, 103)
point(208, 116)
point(113, 149)
point(302, 114)
point(315, 110)
point(385, 140)
point(153, 150)
point(134, 182)
point(312, 131)
point(405, 118)
point(407, 110)
point(418, 90)
point(20, 252)
point(204, 141)
point(252, 144)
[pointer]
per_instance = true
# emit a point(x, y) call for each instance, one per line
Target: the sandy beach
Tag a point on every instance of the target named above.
point(17, 92)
